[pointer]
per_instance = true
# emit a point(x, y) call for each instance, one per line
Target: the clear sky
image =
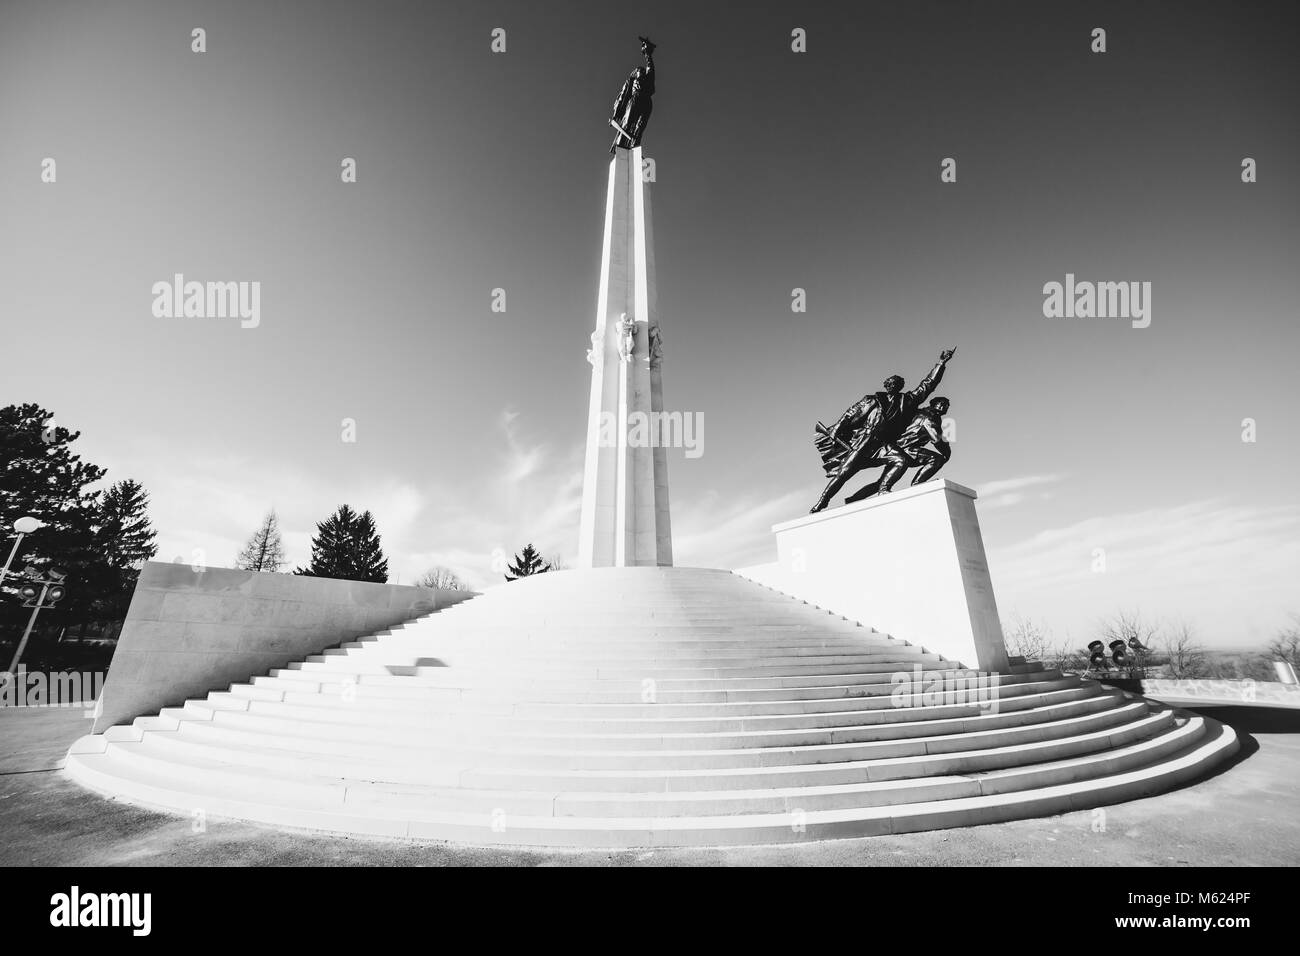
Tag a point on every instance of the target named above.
point(775, 170)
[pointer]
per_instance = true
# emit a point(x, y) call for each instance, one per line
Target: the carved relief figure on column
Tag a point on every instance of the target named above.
point(656, 346)
point(626, 337)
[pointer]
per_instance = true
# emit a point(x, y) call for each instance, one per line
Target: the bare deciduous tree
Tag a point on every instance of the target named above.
point(440, 577)
point(1187, 658)
point(264, 550)
point(1286, 646)
point(1127, 625)
point(1027, 638)
point(1033, 641)
point(1069, 658)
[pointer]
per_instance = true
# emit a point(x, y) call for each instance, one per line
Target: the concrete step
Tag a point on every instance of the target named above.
point(562, 650)
point(394, 686)
point(718, 622)
point(508, 670)
point(728, 647)
point(880, 709)
point(395, 701)
point(562, 663)
point(525, 689)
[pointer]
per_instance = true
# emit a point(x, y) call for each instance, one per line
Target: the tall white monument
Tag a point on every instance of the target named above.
point(625, 487)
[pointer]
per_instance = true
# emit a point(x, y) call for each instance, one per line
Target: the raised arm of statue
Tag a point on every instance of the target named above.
point(648, 75)
point(935, 376)
point(929, 383)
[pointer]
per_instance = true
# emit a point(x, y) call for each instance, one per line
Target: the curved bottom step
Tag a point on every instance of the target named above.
point(99, 771)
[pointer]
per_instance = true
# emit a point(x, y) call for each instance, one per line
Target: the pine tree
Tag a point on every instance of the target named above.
point(346, 546)
point(125, 541)
point(527, 562)
point(265, 549)
point(41, 476)
point(126, 535)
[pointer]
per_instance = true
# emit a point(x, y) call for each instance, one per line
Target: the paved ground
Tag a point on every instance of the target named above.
point(1248, 814)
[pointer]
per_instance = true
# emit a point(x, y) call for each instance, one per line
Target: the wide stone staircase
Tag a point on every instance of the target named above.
point(627, 707)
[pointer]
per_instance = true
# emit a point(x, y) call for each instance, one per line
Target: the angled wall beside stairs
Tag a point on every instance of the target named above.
point(189, 632)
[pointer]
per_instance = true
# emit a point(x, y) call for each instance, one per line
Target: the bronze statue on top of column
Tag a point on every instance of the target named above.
point(634, 102)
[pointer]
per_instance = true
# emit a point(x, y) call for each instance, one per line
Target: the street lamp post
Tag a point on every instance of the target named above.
point(24, 526)
point(52, 589)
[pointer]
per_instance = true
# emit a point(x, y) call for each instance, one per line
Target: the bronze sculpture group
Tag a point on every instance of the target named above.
point(889, 429)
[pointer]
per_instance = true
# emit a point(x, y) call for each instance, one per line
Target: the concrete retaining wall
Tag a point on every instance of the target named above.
point(1213, 691)
point(188, 633)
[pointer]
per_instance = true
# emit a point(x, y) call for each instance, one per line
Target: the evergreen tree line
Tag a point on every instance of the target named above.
point(347, 545)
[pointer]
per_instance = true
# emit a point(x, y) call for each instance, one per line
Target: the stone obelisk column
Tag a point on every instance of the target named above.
point(625, 487)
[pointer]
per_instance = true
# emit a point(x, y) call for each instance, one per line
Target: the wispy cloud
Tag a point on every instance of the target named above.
point(1012, 491)
point(733, 530)
point(522, 459)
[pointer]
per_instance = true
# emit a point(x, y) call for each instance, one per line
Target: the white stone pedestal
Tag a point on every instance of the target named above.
point(910, 564)
point(625, 518)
